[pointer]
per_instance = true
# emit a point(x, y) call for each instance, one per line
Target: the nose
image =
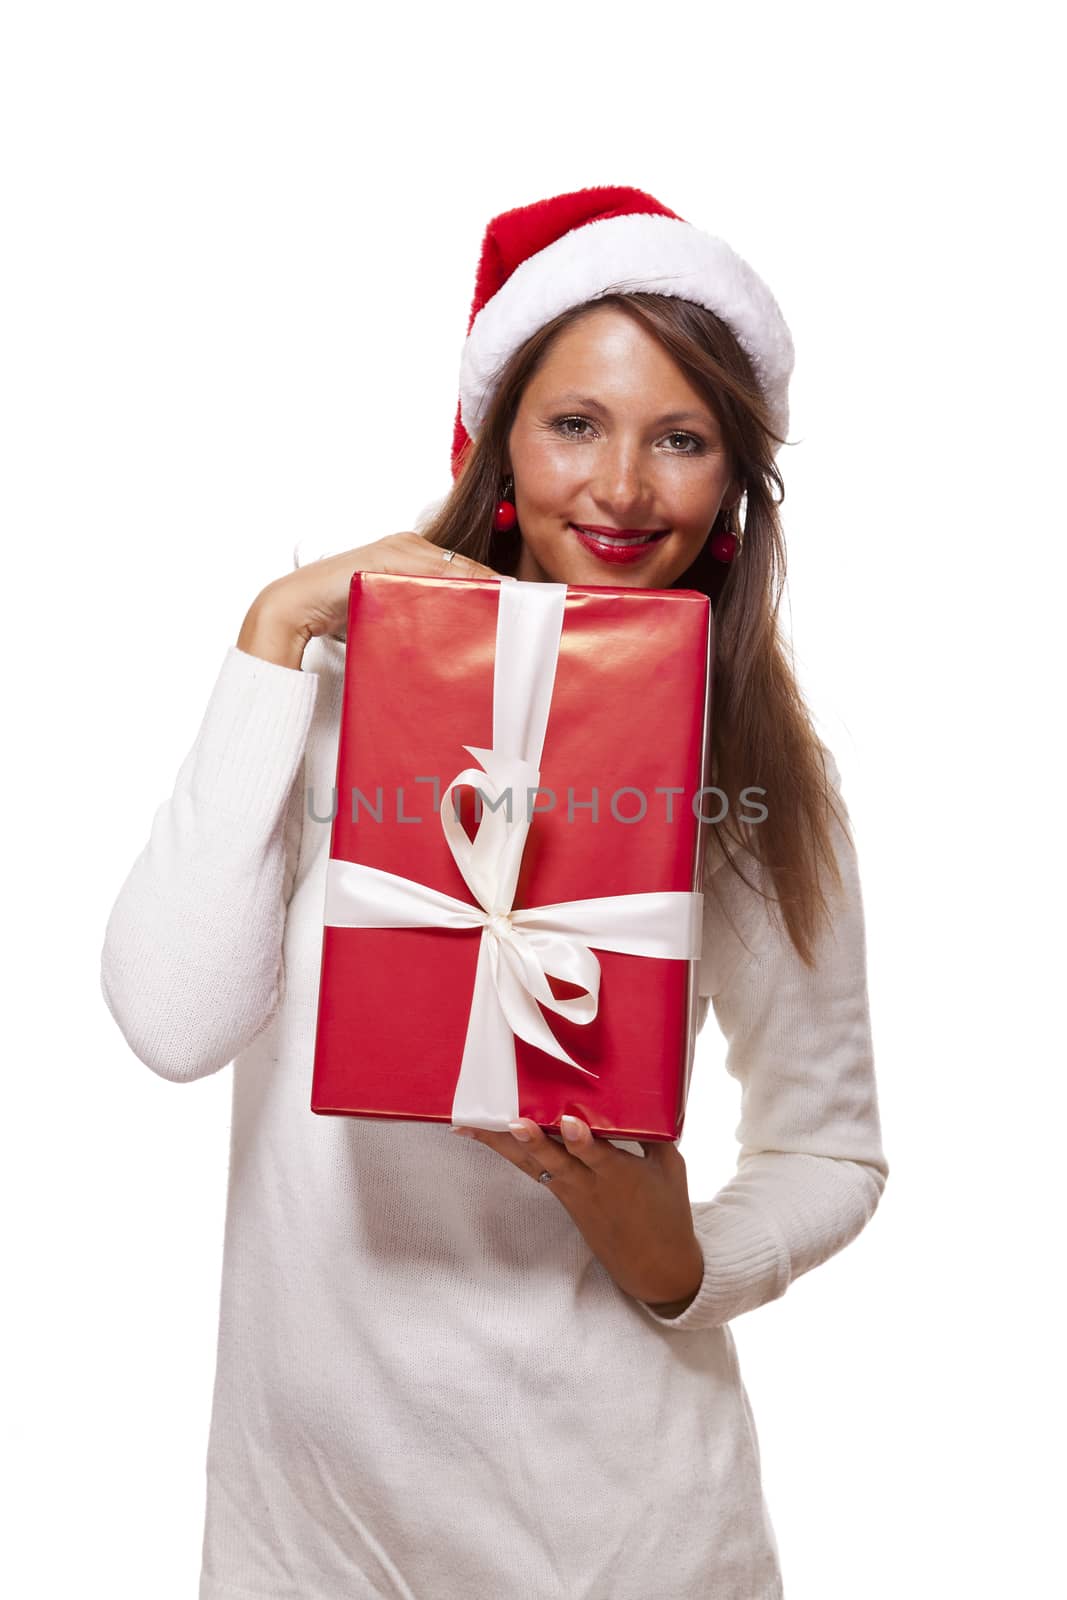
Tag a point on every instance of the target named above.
point(621, 489)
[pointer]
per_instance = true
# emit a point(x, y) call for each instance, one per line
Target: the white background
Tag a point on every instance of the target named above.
point(239, 252)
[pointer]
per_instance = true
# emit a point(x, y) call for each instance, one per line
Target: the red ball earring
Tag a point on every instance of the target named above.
point(505, 516)
point(726, 545)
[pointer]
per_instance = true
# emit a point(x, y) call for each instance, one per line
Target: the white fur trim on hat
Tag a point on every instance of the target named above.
point(656, 255)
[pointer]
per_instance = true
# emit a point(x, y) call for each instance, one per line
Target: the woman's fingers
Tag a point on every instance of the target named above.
point(526, 1145)
point(460, 566)
point(313, 600)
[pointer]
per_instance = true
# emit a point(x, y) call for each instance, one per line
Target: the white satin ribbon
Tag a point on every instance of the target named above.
point(519, 949)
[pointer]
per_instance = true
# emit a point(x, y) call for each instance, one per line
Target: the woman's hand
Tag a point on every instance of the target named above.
point(313, 600)
point(633, 1212)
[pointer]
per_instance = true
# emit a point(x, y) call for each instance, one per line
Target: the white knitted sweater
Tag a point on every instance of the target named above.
point(427, 1386)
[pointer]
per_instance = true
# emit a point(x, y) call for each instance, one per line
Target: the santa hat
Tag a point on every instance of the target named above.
point(542, 259)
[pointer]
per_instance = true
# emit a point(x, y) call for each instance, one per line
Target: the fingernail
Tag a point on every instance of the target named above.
point(459, 1130)
point(571, 1127)
point(520, 1131)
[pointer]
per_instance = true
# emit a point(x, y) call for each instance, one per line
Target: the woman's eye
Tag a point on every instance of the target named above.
point(563, 424)
point(687, 439)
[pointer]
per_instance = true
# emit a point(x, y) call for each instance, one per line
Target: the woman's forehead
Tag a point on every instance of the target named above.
point(607, 359)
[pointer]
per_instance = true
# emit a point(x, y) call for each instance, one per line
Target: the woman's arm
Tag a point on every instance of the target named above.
point(811, 1169)
point(191, 967)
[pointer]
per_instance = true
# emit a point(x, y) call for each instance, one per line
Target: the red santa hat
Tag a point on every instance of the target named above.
point(542, 259)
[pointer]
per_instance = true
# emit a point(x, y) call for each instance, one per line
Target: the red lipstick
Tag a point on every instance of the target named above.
point(634, 542)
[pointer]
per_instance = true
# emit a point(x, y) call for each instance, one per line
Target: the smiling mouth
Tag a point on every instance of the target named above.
point(621, 539)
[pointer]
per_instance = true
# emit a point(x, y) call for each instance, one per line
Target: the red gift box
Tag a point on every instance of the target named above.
point(455, 921)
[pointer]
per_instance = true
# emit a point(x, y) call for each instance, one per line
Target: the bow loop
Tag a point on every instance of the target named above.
point(490, 862)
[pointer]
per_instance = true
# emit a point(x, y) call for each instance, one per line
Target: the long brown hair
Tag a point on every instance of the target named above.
point(762, 734)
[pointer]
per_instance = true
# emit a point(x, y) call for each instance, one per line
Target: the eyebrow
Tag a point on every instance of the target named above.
point(589, 402)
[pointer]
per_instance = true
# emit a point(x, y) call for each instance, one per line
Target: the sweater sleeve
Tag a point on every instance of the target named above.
point(191, 967)
point(811, 1168)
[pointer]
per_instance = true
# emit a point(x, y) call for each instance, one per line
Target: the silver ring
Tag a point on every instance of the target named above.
point(545, 1177)
point(449, 555)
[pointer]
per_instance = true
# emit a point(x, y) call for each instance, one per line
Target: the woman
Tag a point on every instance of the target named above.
point(445, 1371)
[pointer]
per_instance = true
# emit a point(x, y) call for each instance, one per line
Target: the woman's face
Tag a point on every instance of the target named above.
point(611, 437)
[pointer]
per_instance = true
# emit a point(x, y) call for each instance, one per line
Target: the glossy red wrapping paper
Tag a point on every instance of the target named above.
point(630, 711)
